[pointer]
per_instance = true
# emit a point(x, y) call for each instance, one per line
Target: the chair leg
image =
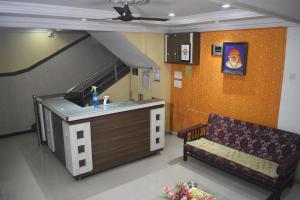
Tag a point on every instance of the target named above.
point(271, 197)
point(277, 196)
point(184, 154)
point(291, 182)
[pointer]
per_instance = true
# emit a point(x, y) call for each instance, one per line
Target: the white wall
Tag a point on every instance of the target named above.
point(14, 54)
point(119, 91)
point(289, 113)
point(124, 49)
point(57, 75)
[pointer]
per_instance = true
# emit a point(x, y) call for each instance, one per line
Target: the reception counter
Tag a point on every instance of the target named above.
point(89, 140)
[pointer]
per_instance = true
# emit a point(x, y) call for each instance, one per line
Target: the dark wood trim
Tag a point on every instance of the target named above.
point(45, 59)
point(196, 49)
point(15, 133)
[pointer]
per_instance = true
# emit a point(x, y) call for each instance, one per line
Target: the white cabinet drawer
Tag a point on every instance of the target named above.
point(157, 128)
point(78, 148)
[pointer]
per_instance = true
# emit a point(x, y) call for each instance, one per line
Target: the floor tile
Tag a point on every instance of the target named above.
point(32, 172)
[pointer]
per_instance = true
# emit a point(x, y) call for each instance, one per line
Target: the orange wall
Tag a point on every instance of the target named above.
point(254, 97)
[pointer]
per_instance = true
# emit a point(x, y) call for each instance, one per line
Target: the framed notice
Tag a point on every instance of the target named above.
point(185, 52)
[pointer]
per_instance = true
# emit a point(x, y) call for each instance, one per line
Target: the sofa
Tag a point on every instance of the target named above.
point(263, 155)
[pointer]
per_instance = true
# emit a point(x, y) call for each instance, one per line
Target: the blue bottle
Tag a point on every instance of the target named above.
point(95, 97)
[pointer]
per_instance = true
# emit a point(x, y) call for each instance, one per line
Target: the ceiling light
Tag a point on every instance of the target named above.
point(50, 33)
point(226, 5)
point(129, 2)
point(171, 14)
point(83, 19)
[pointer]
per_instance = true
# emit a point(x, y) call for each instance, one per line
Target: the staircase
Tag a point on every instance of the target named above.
point(81, 94)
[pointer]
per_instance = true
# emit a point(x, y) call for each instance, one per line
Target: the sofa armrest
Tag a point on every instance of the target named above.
point(192, 133)
point(288, 164)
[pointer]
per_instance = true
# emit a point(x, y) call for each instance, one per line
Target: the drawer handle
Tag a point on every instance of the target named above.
point(157, 129)
point(157, 117)
point(82, 163)
point(81, 149)
point(80, 134)
point(157, 141)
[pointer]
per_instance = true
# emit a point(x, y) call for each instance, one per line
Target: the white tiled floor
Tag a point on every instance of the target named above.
point(30, 172)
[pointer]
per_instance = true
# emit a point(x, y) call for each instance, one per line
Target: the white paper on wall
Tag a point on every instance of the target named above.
point(156, 75)
point(178, 75)
point(177, 84)
point(146, 77)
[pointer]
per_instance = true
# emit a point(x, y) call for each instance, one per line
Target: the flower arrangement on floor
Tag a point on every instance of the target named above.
point(185, 191)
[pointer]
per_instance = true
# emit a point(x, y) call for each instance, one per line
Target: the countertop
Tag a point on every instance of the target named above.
point(69, 111)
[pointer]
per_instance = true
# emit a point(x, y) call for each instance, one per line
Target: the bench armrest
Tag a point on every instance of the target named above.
point(288, 164)
point(192, 133)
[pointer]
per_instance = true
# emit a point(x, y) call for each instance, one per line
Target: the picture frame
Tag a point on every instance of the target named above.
point(185, 52)
point(234, 58)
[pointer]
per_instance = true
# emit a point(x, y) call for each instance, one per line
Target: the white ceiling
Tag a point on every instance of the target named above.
point(159, 8)
point(286, 9)
point(191, 15)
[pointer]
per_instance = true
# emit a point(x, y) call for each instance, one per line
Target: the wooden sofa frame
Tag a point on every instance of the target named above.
point(198, 131)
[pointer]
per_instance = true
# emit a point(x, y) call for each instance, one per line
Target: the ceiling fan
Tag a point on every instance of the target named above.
point(126, 15)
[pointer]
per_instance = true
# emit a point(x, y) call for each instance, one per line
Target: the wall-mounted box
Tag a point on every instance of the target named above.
point(173, 47)
point(217, 49)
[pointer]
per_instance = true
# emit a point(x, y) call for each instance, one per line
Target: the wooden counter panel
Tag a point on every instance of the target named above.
point(120, 138)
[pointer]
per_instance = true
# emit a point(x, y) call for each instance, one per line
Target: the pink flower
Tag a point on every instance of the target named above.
point(166, 189)
point(184, 198)
point(185, 190)
point(172, 195)
point(181, 192)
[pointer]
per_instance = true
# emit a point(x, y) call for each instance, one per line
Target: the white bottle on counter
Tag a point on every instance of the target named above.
point(106, 98)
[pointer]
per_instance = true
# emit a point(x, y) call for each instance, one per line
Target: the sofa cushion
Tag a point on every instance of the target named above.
point(230, 166)
point(267, 143)
point(264, 166)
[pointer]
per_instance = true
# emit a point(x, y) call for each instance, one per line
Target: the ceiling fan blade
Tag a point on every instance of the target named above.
point(151, 19)
point(120, 10)
point(127, 10)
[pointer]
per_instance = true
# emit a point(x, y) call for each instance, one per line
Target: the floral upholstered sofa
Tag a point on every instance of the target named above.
point(263, 155)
